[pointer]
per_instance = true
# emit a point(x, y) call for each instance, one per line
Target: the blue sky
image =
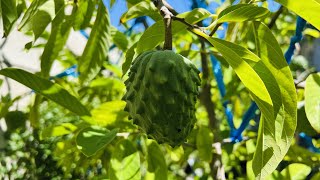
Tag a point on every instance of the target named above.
point(120, 7)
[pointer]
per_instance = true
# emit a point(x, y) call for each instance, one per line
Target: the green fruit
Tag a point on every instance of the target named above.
point(15, 120)
point(162, 90)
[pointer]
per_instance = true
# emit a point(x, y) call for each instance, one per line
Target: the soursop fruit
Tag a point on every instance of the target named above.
point(162, 90)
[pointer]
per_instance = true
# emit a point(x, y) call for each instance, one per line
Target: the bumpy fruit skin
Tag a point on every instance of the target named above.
point(162, 90)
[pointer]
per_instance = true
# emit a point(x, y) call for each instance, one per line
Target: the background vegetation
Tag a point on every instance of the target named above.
point(75, 126)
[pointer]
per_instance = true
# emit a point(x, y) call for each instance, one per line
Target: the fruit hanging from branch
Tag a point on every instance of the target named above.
point(162, 90)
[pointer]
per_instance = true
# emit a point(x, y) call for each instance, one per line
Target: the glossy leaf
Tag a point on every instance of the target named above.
point(242, 12)
point(307, 9)
point(125, 162)
point(204, 143)
point(296, 171)
point(142, 8)
point(245, 72)
point(275, 132)
point(108, 113)
point(96, 50)
point(156, 161)
point(92, 139)
point(312, 100)
point(48, 89)
point(8, 15)
point(38, 16)
point(154, 35)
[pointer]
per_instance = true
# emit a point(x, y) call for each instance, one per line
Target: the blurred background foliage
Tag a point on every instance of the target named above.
point(55, 148)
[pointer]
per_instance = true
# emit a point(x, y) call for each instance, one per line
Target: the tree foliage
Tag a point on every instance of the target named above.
point(77, 127)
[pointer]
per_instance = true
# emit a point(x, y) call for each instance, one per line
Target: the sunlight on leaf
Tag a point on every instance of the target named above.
point(92, 139)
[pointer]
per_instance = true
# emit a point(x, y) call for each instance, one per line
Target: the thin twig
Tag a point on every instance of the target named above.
point(275, 17)
point(214, 30)
point(185, 22)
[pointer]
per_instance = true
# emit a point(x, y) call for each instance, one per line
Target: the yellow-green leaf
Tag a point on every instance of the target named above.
point(92, 139)
point(96, 50)
point(125, 162)
point(275, 132)
point(296, 171)
point(245, 72)
point(307, 9)
point(242, 12)
point(108, 113)
point(312, 100)
point(48, 89)
point(154, 35)
point(204, 143)
point(142, 8)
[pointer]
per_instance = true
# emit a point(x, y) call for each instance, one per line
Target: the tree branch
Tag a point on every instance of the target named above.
point(216, 27)
point(275, 17)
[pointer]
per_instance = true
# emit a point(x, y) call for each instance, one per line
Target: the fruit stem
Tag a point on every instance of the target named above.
point(168, 33)
point(167, 15)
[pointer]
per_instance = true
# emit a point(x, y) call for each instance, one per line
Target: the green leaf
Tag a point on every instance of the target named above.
point(38, 16)
point(276, 175)
point(298, 154)
point(204, 143)
point(119, 39)
point(307, 9)
point(275, 132)
point(142, 8)
point(60, 31)
point(250, 174)
point(92, 139)
point(54, 131)
point(303, 124)
point(8, 15)
point(154, 35)
point(133, 2)
point(48, 89)
point(156, 161)
point(296, 171)
point(316, 176)
point(1, 22)
point(80, 12)
point(96, 50)
point(312, 100)
point(125, 162)
point(242, 12)
point(129, 57)
point(108, 113)
point(245, 72)
point(112, 2)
